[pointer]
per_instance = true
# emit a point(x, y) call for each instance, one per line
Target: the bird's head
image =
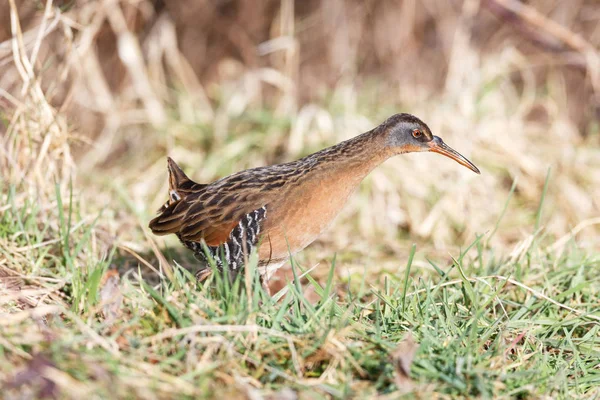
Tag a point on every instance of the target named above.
point(405, 133)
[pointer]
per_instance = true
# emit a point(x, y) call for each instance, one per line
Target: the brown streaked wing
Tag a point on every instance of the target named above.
point(215, 221)
point(169, 219)
point(211, 212)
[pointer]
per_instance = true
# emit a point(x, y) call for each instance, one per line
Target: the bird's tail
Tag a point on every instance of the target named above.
point(170, 215)
point(178, 182)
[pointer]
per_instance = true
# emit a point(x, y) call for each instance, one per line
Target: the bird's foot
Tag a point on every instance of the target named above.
point(203, 274)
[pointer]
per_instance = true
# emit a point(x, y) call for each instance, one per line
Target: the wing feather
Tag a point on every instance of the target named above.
point(211, 212)
point(192, 222)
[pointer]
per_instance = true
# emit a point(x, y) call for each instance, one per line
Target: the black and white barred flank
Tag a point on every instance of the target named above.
point(231, 253)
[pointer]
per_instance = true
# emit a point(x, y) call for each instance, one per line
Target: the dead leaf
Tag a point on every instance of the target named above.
point(111, 296)
point(402, 358)
point(33, 376)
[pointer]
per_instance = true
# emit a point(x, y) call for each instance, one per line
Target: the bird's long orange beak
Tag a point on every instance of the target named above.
point(437, 145)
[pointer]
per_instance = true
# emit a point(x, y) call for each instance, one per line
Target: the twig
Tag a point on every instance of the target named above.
point(169, 333)
point(140, 259)
point(161, 258)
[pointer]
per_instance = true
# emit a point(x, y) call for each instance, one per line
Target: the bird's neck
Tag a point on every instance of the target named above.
point(322, 184)
point(355, 158)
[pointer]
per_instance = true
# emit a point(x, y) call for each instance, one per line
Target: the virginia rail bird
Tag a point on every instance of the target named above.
point(281, 209)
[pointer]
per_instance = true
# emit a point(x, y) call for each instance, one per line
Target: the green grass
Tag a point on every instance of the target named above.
point(487, 325)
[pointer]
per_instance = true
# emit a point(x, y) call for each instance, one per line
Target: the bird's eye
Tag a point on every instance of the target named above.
point(417, 133)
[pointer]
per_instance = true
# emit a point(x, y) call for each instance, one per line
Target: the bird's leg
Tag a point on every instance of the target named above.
point(264, 282)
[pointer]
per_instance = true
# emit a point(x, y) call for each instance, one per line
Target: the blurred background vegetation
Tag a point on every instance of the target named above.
point(95, 94)
point(115, 86)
